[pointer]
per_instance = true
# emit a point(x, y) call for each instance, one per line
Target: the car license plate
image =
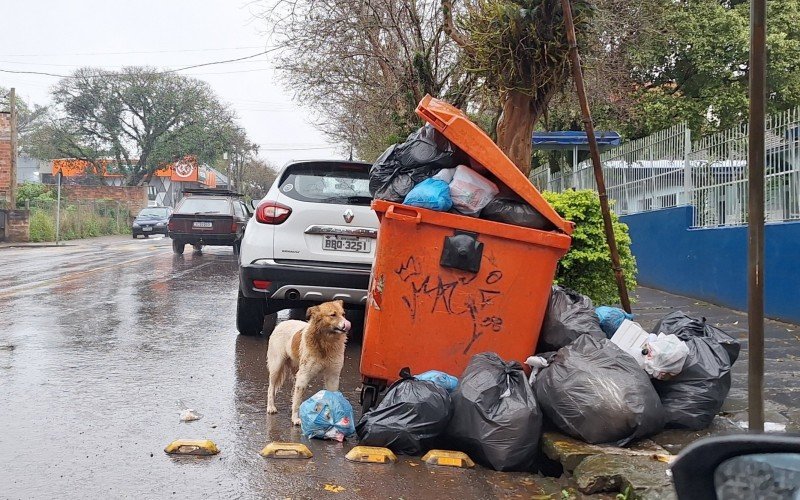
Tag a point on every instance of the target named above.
point(202, 224)
point(345, 243)
point(147, 228)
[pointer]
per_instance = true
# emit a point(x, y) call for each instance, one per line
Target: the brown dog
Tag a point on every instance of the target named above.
point(307, 349)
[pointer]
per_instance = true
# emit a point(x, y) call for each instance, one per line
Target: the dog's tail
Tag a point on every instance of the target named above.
point(283, 372)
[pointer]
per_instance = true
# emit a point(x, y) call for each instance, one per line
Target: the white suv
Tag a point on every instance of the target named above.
point(311, 240)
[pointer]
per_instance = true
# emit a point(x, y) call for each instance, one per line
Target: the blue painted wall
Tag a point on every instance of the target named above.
point(711, 264)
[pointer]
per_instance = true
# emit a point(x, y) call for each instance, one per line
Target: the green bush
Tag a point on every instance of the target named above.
point(28, 191)
point(586, 268)
point(42, 226)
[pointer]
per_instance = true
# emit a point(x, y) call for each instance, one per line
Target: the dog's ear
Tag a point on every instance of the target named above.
point(311, 311)
point(340, 302)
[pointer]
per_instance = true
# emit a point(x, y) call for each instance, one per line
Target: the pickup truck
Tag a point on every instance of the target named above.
point(208, 217)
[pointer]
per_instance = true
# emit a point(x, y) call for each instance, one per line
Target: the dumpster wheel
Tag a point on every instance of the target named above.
point(369, 396)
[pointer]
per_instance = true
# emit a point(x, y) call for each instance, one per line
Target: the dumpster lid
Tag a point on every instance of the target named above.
point(455, 125)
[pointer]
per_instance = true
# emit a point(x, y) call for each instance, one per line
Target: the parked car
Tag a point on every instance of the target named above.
point(312, 239)
point(208, 217)
point(739, 466)
point(151, 220)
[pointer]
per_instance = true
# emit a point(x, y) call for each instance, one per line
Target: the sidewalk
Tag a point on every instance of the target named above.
point(781, 362)
point(99, 240)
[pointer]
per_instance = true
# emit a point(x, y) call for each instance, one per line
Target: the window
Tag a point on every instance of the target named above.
point(203, 205)
point(237, 209)
point(154, 212)
point(345, 183)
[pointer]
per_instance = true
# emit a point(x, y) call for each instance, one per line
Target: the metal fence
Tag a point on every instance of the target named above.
point(668, 169)
point(78, 219)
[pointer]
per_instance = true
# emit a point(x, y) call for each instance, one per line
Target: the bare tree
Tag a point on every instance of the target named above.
point(365, 64)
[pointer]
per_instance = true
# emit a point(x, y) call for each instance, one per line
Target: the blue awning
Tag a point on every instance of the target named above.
point(569, 140)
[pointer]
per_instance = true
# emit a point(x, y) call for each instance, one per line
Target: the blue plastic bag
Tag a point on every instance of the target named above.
point(611, 318)
point(441, 379)
point(433, 194)
point(327, 415)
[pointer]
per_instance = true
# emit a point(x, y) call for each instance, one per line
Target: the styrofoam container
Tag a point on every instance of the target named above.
point(632, 338)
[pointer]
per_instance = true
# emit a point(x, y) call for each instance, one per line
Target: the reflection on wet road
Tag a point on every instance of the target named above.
point(100, 340)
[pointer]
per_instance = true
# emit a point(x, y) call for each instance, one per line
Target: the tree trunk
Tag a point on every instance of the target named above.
point(515, 129)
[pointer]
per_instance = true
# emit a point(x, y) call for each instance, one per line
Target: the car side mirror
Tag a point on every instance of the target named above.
point(753, 465)
point(254, 204)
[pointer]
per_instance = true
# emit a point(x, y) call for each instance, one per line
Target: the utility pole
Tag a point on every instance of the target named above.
point(755, 244)
point(12, 101)
point(577, 75)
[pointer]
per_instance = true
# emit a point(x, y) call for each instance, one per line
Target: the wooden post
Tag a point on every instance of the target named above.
point(577, 74)
point(12, 101)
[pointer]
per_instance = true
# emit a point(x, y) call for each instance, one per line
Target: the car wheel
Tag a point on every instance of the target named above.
point(250, 315)
point(178, 247)
point(237, 247)
point(269, 323)
point(146, 236)
point(198, 248)
point(134, 236)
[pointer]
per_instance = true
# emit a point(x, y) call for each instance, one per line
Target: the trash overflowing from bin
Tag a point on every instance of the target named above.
point(594, 391)
point(411, 416)
point(496, 420)
point(569, 316)
point(463, 279)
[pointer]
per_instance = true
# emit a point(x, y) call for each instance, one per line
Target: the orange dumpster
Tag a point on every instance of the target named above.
point(446, 286)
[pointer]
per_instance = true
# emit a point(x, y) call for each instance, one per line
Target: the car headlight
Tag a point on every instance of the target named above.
point(160, 224)
point(135, 224)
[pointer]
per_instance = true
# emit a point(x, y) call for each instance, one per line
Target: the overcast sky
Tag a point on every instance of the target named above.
point(58, 36)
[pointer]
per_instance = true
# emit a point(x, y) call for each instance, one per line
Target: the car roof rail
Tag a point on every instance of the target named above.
point(212, 192)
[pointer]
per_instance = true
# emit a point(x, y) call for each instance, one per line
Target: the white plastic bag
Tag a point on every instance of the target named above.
point(471, 191)
point(666, 356)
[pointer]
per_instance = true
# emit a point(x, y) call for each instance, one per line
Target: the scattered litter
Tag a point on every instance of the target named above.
point(189, 415)
point(768, 426)
point(327, 415)
point(449, 382)
point(569, 315)
point(611, 318)
point(592, 390)
point(334, 488)
point(495, 416)
point(412, 414)
point(632, 338)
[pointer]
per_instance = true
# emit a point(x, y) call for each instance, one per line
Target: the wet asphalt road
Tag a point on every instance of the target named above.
point(99, 342)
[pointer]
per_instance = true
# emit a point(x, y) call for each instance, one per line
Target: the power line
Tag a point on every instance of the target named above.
point(201, 65)
point(214, 49)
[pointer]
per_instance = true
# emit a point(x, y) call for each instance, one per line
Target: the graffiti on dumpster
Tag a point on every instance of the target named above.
point(470, 301)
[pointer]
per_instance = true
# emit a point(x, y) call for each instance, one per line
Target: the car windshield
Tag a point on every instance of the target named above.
point(336, 183)
point(153, 213)
point(202, 205)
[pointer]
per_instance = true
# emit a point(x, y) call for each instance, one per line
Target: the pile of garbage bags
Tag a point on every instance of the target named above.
point(684, 362)
point(428, 171)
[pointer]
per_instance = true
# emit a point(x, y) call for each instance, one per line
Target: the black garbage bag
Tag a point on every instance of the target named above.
point(517, 212)
point(411, 416)
point(595, 391)
point(569, 315)
point(496, 420)
point(692, 398)
point(686, 327)
point(403, 166)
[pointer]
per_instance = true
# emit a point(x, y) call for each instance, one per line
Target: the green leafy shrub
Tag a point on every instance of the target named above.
point(42, 226)
point(586, 268)
point(28, 191)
